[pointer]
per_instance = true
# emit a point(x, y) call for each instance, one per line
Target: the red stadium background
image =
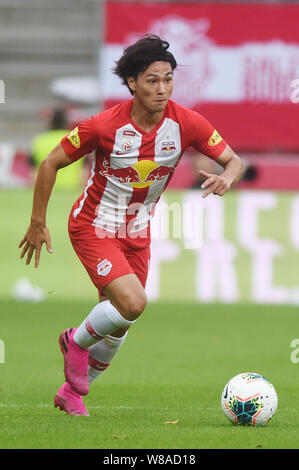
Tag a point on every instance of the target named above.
point(236, 62)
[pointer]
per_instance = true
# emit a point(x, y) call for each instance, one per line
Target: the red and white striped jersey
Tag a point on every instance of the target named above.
point(131, 167)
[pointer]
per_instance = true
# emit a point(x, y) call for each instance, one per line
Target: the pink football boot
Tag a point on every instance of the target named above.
point(69, 401)
point(75, 362)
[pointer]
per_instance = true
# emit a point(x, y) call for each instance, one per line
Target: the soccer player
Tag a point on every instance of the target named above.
point(138, 145)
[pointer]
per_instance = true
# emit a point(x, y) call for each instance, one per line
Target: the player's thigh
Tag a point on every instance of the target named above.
point(103, 258)
point(112, 270)
point(139, 262)
point(127, 295)
point(127, 292)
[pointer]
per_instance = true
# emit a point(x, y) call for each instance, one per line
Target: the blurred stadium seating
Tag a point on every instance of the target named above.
point(40, 41)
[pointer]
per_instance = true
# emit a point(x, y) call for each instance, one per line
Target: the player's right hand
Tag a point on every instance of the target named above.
point(32, 242)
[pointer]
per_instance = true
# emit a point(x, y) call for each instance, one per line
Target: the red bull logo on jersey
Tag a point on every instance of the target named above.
point(104, 267)
point(140, 175)
point(168, 148)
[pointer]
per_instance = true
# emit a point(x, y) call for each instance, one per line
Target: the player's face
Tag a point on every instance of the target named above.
point(153, 87)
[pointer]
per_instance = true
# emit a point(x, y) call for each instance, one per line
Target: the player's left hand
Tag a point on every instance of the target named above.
point(216, 184)
point(32, 242)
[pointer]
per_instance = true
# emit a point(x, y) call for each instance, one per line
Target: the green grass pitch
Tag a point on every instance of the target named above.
point(172, 368)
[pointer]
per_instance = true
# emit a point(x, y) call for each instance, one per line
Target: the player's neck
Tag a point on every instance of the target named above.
point(145, 119)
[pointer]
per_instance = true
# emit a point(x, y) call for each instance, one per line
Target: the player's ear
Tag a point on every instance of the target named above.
point(132, 84)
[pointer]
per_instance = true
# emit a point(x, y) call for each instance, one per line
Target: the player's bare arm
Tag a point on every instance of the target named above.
point(233, 170)
point(37, 233)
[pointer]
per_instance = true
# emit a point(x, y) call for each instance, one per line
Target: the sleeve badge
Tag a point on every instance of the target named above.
point(74, 138)
point(215, 139)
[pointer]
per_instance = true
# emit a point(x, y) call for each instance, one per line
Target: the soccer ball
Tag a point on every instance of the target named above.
point(250, 399)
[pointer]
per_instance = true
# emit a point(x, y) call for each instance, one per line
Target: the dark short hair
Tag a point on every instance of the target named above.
point(139, 56)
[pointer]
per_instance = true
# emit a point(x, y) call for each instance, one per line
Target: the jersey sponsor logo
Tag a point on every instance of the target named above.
point(140, 175)
point(128, 132)
point(123, 175)
point(215, 138)
point(168, 148)
point(74, 138)
point(104, 267)
point(157, 174)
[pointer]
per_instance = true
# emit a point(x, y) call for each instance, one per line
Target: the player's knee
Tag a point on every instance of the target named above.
point(133, 306)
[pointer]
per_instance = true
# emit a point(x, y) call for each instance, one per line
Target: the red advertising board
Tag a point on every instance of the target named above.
point(238, 65)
